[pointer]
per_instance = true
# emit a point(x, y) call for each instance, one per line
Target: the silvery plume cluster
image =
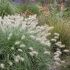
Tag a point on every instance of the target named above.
point(24, 45)
point(58, 50)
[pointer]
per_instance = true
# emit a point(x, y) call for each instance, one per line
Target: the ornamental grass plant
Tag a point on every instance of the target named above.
point(6, 8)
point(61, 26)
point(23, 44)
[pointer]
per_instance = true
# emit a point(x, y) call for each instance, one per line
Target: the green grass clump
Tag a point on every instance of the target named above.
point(6, 8)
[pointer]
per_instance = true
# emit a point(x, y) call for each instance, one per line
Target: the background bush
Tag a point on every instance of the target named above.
point(27, 9)
point(6, 8)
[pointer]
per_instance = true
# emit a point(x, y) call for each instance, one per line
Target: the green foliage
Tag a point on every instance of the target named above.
point(66, 13)
point(34, 9)
point(6, 8)
point(21, 8)
point(28, 8)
